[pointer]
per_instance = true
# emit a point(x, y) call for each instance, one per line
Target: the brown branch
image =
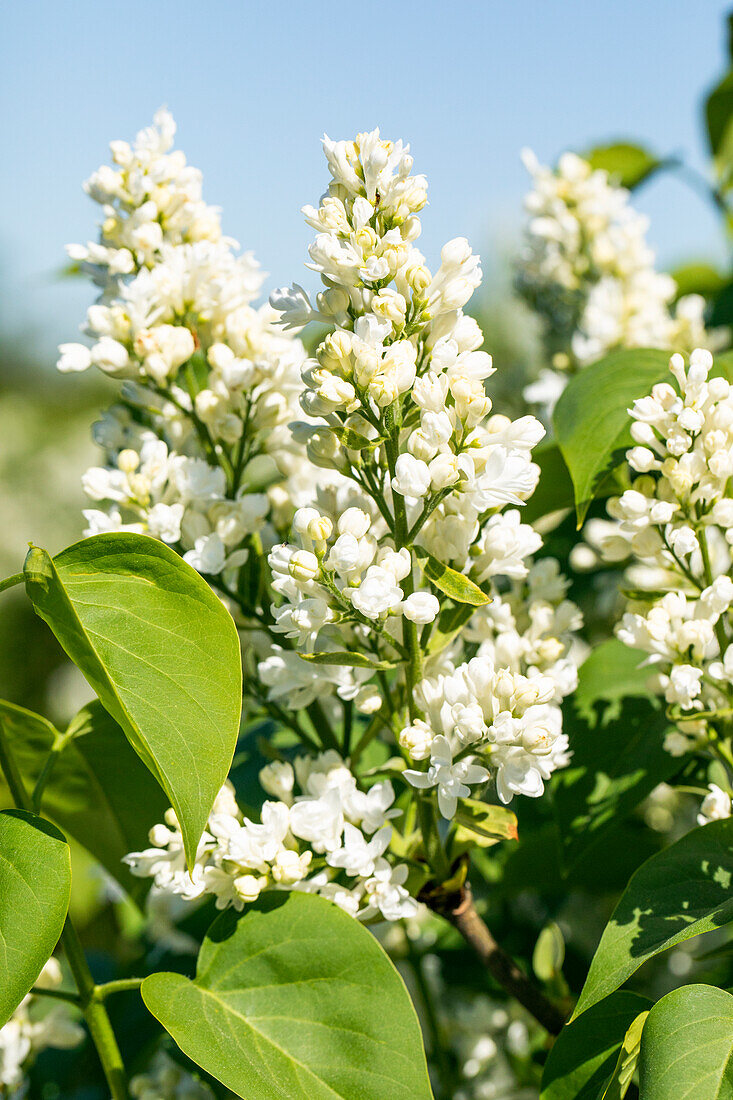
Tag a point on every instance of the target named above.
point(460, 911)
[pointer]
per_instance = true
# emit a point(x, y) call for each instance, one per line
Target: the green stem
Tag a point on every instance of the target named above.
point(43, 778)
point(95, 1013)
point(702, 538)
point(119, 985)
point(57, 995)
point(10, 582)
point(434, 850)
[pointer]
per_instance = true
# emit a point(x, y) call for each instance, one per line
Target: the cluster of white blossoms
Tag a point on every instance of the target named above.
point(210, 383)
point(29, 1031)
point(322, 834)
point(589, 273)
point(400, 495)
point(165, 1080)
point(676, 521)
point(398, 385)
point(504, 703)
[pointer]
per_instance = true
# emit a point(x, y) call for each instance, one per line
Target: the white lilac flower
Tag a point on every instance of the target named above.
point(588, 271)
point(452, 780)
point(674, 524)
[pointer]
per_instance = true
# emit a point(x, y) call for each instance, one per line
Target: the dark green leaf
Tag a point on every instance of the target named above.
point(294, 999)
point(679, 893)
point(449, 581)
point(99, 790)
point(555, 487)
point(628, 1056)
point(718, 114)
point(627, 164)
point(159, 650)
point(35, 884)
point(586, 1051)
point(616, 730)
point(687, 1046)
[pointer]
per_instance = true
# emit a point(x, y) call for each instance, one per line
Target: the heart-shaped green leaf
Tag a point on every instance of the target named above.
point(160, 651)
point(678, 893)
point(295, 1000)
point(687, 1046)
point(35, 884)
point(99, 791)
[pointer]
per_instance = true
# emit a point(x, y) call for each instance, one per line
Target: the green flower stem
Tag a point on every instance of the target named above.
point(94, 1011)
point(10, 582)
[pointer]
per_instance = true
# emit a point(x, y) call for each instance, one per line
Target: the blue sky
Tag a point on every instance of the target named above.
point(253, 87)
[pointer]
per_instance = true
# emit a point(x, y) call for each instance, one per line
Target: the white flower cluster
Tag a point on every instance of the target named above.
point(677, 522)
point(504, 703)
point(28, 1032)
point(588, 270)
point(322, 835)
point(164, 1080)
point(210, 382)
point(398, 385)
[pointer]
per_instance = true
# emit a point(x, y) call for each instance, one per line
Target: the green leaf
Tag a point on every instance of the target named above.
point(294, 999)
point(627, 164)
point(698, 278)
point(555, 487)
point(719, 113)
point(35, 885)
point(678, 893)
point(628, 1056)
point(687, 1046)
point(353, 660)
point(591, 419)
point(449, 581)
point(354, 441)
point(586, 1051)
point(490, 822)
point(616, 729)
point(451, 622)
point(99, 790)
point(549, 953)
point(160, 651)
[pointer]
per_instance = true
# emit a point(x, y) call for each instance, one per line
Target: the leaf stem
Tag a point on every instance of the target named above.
point(57, 994)
point(43, 778)
point(10, 582)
